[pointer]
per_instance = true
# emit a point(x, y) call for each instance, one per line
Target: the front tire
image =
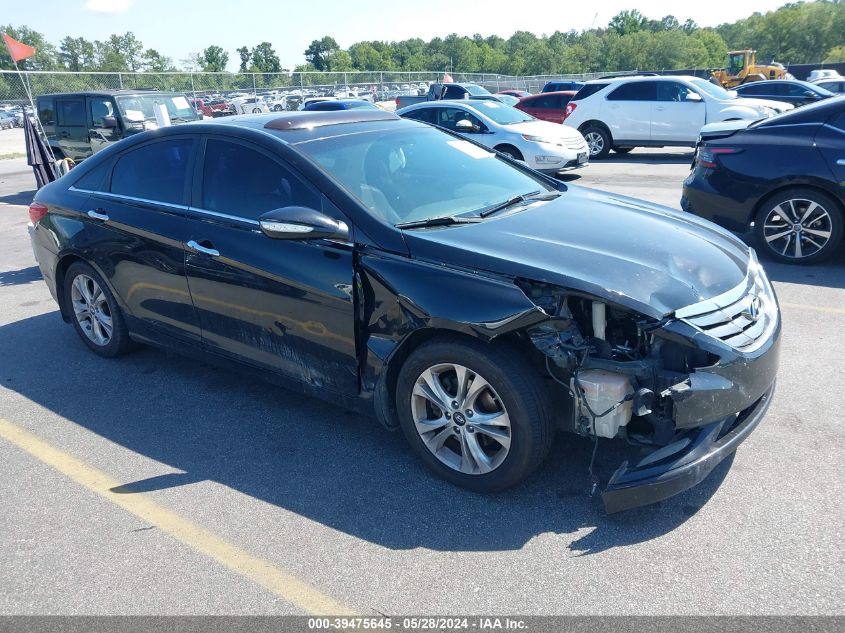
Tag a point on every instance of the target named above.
point(799, 226)
point(476, 414)
point(622, 150)
point(598, 140)
point(95, 315)
point(510, 152)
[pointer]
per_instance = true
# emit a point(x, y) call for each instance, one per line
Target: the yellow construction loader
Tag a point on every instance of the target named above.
point(743, 68)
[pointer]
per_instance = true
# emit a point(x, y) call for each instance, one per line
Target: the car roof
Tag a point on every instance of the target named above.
point(565, 93)
point(616, 80)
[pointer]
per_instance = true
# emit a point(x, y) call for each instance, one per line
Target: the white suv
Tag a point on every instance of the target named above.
point(628, 112)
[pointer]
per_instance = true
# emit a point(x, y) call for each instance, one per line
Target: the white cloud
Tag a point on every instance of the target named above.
point(108, 6)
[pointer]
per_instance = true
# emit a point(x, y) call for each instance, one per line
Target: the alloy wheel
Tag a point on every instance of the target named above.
point(797, 228)
point(91, 309)
point(461, 419)
point(595, 142)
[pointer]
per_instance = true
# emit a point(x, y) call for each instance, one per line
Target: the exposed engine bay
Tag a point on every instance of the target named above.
point(619, 368)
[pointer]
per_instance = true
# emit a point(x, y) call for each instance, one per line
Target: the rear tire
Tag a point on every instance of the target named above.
point(501, 411)
point(598, 140)
point(94, 312)
point(622, 150)
point(799, 226)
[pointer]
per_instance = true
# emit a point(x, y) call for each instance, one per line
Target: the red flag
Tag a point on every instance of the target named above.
point(18, 50)
point(447, 79)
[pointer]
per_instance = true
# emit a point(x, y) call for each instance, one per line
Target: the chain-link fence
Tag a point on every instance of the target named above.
point(13, 89)
point(383, 83)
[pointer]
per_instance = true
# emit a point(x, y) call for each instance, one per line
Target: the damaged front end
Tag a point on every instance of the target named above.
point(684, 391)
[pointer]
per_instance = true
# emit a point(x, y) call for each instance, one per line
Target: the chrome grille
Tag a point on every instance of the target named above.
point(743, 317)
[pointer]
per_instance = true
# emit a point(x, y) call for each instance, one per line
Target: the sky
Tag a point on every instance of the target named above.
point(178, 28)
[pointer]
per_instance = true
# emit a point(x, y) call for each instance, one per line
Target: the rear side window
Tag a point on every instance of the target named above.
point(754, 90)
point(95, 180)
point(156, 171)
point(47, 111)
point(426, 115)
point(635, 91)
point(244, 182)
point(546, 101)
point(588, 90)
point(71, 112)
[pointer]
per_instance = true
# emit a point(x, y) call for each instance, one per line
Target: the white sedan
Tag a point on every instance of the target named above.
point(544, 146)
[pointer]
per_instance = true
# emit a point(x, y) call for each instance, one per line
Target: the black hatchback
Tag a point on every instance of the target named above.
point(410, 274)
point(779, 182)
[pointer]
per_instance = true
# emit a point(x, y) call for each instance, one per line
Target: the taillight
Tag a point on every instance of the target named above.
point(570, 108)
point(706, 156)
point(36, 212)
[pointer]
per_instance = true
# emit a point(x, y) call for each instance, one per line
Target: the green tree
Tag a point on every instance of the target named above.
point(835, 54)
point(320, 51)
point(264, 59)
point(246, 58)
point(213, 59)
point(76, 54)
point(628, 22)
point(153, 61)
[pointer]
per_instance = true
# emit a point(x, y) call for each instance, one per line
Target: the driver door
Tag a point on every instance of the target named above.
point(282, 305)
point(103, 122)
point(676, 116)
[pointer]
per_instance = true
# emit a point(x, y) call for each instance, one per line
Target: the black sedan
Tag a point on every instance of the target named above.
point(780, 181)
point(415, 276)
point(792, 91)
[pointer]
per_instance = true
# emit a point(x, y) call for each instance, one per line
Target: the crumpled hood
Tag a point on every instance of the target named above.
point(645, 257)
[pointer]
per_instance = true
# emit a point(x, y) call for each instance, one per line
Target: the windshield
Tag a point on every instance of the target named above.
point(418, 173)
point(475, 90)
point(137, 108)
point(501, 113)
point(717, 92)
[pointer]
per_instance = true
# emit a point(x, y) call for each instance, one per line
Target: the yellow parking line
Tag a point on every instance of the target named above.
point(807, 306)
point(277, 581)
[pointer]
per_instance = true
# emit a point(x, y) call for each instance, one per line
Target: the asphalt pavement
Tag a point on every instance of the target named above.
point(153, 484)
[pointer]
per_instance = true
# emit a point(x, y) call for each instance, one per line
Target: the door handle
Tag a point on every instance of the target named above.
point(97, 215)
point(195, 246)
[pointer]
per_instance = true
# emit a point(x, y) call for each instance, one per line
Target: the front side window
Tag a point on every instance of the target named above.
point(155, 171)
point(71, 112)
point(754, 90)
point(449, 117)
point(672, 91)
point(634, 91)
point(244, 182)
point(100, 109)
point(47, 111)
point(417, 173)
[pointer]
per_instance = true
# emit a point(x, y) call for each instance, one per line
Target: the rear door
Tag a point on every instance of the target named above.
point(830, 141)
point(675, 117)
point(283, 305)
point(136, 226)
point(627, 110)
point(71, 127)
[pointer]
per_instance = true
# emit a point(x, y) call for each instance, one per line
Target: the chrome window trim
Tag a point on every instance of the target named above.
point(118, 196)
point(225, 216)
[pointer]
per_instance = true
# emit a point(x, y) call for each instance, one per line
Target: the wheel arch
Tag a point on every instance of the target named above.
point(64, 262)
point(596, 123)
point(502, 146)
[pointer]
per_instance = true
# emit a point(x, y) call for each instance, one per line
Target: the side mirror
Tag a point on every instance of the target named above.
point(109, 122)
point(301, 223)
point(693, 96)
point(464, 125)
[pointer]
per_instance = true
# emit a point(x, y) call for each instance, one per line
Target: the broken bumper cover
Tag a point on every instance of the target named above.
point(684, 463)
